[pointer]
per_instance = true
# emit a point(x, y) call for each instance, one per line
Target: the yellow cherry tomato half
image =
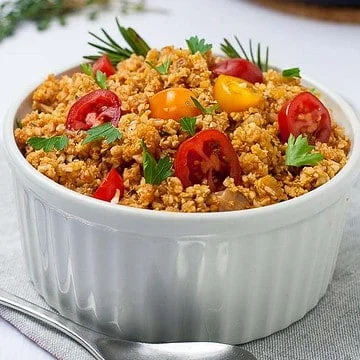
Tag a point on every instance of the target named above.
point(173, 103)
point(234, 94)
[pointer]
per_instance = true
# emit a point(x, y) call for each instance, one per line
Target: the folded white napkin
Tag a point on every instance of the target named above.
point(329, 332)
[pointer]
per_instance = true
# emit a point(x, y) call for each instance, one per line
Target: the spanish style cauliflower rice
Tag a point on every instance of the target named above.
point(253, 133)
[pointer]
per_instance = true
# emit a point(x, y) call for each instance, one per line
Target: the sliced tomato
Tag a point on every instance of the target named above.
point(93, 109)
point(104, 65)
point(239, 68)
point(208, 157)
point(173, 103)
point(235, 94)
point(305, 114)
point(107, 189)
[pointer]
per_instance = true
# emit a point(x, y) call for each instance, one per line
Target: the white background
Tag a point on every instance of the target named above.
point(325, 51)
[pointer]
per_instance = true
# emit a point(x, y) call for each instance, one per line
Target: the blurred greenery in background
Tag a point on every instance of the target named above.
point(43, 12)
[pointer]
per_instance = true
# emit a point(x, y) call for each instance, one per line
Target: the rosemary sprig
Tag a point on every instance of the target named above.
point(229, 50)
point(43, 12)
point(12, 14)
point(116, 53)
point(127, 6)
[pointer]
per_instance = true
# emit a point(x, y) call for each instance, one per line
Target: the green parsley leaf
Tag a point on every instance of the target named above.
point(104, 131)
point(298, 152)
point(87, 69)
point(292, 72)
point(188, 124)
point(155, 172)
point(196, 45)
point(100, 79)
point(205, 111)
point(163, 68)
point(48, 144)
point(313, 90)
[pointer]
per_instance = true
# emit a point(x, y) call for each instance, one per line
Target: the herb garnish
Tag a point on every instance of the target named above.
point(43, 12)
point(113, 50)
point(298, 152)
point(163, 68)
point(129, 6)
point(100, 77)
point(205, 111)
point(292, 72)
point(104, 131)
point(196, 45)
point(48, 144)
point(228, 49)
point(188, 124)
point(87, 69)
point(155, 172)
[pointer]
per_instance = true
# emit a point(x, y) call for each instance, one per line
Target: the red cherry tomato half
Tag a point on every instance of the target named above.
point(304, 114)
point(207, 157)
point(93, 109)
point(107, 189)
point(240, 68)
point(104, 65)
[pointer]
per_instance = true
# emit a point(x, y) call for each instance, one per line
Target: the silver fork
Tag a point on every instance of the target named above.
point(104, 347)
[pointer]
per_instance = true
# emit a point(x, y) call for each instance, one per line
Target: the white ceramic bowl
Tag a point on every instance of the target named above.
point(156, 276)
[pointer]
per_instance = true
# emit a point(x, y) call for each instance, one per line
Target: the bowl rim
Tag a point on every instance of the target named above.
point(344, 178)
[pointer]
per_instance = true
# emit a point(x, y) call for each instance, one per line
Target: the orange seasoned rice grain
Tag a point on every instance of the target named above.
point(253, 134)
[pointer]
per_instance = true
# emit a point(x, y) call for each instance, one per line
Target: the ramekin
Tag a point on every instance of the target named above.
point(156, 276)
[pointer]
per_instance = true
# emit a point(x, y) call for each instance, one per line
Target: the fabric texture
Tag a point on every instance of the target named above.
point(331, 331)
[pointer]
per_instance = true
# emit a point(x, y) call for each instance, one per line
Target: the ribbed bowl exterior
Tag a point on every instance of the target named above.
point(157, 276)
point(229, 289)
